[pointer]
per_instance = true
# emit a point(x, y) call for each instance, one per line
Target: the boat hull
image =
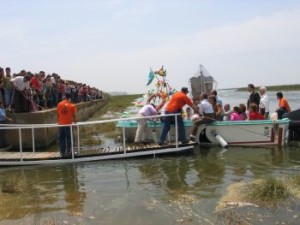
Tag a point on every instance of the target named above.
point(243, 133)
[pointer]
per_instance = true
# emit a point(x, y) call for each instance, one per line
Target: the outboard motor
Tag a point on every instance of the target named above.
point(294, 125)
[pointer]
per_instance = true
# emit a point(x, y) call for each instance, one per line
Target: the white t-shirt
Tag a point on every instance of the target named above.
point(205, 107)
point(19, 84)
point(264, 102)
point(52, 80)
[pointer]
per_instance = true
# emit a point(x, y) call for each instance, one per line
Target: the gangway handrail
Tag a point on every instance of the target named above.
point(30, 126)
point(21, 127)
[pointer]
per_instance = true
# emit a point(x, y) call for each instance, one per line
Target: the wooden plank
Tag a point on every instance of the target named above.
point(28, 155)
point(84, 152)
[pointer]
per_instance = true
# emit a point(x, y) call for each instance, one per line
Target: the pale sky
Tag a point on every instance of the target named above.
point(111, 44)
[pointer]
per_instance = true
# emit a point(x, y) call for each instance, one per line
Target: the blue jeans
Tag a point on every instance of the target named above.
point(64, 136)
point(8, 95)
point(168, 120)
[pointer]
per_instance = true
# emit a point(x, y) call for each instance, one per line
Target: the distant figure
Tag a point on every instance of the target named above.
point(175, 105)
point(21, 91)
point(226, 112)
point(66, 114)
point(253, 97)
point(8, 88)
point(283, 105)
point(264, 104)
point(254, 114)
point(3, 119)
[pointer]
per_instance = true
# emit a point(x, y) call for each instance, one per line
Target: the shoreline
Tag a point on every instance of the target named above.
point(285, 87)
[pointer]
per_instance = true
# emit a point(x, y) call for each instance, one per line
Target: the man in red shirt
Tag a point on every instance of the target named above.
point(66, 115)
point(174, 106)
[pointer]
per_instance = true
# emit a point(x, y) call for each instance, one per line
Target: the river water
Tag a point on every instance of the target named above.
point(177, 189)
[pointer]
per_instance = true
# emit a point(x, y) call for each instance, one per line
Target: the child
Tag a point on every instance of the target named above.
point(236, 114)
point(254, 114)
point(188, 113)
point(227, 112)
point(243, 109)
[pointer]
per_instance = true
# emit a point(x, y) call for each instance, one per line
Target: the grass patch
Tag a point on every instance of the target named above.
point(10, 185)
point(116, 104)
point(90, 134)
point(267, 191)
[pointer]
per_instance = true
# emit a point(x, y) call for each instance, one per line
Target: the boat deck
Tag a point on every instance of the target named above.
point(92, 153)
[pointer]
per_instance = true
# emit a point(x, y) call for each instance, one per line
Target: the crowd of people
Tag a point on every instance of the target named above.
point(27, 92)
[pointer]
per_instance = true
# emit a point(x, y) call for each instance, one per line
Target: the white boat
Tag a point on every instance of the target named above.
point(243, 133)
point(224, 133)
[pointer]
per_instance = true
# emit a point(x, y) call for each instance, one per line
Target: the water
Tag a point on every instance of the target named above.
point(177, 189)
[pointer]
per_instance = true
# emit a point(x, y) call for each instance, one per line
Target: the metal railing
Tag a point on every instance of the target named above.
point(33, 127)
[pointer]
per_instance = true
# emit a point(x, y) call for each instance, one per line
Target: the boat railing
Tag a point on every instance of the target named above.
point(34, 130)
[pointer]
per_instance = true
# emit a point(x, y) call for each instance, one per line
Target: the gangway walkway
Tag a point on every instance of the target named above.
point(83, 153)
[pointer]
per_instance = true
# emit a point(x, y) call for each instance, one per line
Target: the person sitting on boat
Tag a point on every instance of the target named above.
point(264, 103)
point(254, 114)
point(283, 105)
point(216, 107)
point(236, 114)
point(219, 102)
point(207, 115)
point(174, 106)
point(227, 112)
point(188, 113)
point(147, 110)
point(243, 110)
point(254, 97)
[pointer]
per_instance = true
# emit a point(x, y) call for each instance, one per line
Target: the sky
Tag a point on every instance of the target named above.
point(112, 44)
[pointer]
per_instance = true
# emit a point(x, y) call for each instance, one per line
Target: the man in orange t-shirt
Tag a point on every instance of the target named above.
point(283, 105)
point(66, 114)
point(174, 106)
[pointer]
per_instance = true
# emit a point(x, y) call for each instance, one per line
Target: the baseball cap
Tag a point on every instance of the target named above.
point(185, 90)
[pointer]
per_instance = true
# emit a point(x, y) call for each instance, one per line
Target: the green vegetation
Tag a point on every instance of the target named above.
point(10, 185)
point(116, 104)
point(114, 108)
point(285, 87)
point(266, 192)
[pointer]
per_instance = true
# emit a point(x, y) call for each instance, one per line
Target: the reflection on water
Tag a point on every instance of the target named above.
point(166, 190)
point(33, 191)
